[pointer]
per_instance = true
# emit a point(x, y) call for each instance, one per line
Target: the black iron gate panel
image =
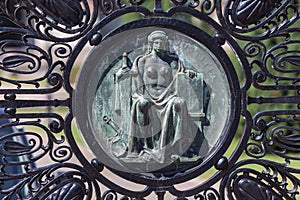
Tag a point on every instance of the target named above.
point(138, 99)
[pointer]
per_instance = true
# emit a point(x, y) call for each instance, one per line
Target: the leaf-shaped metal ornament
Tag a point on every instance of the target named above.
point(69, 189)
point(66, 12)
point(15, 61)
point(16, 147)
point(294, 60)
point(250, 189)
point(246, 12)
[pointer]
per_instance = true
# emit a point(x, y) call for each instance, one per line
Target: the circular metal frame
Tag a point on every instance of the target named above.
point(87, 88)
point(256, 45)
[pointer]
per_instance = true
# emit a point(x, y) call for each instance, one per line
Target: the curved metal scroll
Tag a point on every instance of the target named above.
point(256, 44)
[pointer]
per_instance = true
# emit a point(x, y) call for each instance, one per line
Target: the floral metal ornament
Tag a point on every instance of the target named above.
point(244, 55)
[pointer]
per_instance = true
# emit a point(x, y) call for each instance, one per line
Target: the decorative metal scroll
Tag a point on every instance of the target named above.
point(253, 51)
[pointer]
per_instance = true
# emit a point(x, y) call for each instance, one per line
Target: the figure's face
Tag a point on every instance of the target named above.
point(158, 45)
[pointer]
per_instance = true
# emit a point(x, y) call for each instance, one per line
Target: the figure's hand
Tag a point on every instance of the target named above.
point(174, 65)
point(191, 74)
point(175, 157)
point(146, 157)
point(121, 72)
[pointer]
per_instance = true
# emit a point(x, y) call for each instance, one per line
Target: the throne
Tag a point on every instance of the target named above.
point(189, 86)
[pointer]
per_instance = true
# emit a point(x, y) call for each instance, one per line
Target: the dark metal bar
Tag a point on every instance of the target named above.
point(286, 99)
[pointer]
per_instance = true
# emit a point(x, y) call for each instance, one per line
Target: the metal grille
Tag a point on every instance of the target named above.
point(43, 44)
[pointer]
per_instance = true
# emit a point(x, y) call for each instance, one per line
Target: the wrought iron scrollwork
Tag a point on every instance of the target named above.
point(49, 184)
point(209, 193)
point(269, 183)
point(40, 42)
point(267, 18)
point(68, 13)
point(282, 140)
point(250, 12)
point(40, 19)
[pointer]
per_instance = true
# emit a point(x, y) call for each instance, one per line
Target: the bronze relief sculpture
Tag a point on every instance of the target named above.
point(161, 103)
point(158, 101)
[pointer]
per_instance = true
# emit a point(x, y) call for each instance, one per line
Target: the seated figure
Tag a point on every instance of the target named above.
point(159, 126)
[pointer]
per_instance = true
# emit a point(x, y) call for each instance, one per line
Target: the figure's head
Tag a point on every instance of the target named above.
point(158, 40)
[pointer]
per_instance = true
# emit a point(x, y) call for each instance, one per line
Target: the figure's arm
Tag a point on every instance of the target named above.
point(190, 73)
point(137, 72)
point(138, 66)
point(123, 72)
point(120, 78)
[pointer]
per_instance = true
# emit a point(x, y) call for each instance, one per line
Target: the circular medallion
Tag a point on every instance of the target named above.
point(155, 100)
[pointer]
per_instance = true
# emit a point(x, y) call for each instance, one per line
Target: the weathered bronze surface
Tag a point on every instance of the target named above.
point(160, 127)
point(154, 109)
point(245, 58)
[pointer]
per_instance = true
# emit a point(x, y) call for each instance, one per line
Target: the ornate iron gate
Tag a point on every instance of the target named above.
point(242, 55)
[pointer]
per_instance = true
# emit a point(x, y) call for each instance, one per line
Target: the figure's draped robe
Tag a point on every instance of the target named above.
point(165, 128)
